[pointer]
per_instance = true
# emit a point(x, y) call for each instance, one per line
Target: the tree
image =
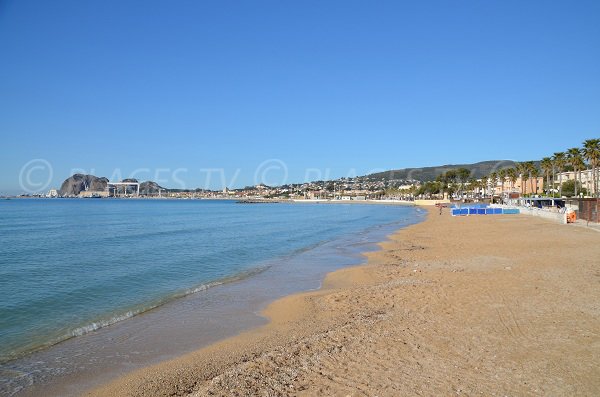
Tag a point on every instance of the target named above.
point(484, 185)
point(591, 152)
point(494, 182)
point(463, 175)
point(575, 160)
point(534, 173)
point(429, 188)
point(522, 171)
point(472, 185)
point(546, 165)
point(452, 188)
point(502, 177)
point(512, 176)
point(570, 188)
point(553, 174)
point(443, 182)
point(559, 165)
point(451, 176)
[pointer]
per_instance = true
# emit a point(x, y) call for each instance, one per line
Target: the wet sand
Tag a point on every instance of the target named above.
point(481, 305)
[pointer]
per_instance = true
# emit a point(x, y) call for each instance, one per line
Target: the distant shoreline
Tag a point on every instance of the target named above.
point(251, 200)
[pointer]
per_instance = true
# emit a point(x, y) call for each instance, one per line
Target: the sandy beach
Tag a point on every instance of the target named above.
point(481, 305)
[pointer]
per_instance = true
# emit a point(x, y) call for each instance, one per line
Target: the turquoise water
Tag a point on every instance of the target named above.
point(68, 267)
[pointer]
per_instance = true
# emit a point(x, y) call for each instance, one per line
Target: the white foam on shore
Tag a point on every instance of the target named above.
point(105, 323)
point(94, 326)
point(102, 323)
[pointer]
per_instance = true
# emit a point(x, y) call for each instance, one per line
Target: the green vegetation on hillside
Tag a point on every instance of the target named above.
point(428, 174)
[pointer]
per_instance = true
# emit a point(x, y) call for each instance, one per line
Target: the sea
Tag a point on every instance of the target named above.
point(92, 288)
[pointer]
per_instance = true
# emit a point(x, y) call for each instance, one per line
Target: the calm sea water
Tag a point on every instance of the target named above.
point(68, 267)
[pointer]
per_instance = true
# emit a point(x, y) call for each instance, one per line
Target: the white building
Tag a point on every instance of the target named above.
point(585, 177)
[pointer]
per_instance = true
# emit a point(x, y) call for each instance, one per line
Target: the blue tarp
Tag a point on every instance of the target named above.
point(480, 209)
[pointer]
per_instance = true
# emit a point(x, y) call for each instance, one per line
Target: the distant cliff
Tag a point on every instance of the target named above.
point(77, 183)
point(149, 188)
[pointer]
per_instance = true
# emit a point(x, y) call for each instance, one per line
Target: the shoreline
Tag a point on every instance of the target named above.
point(117, 317)
point(151, 337)
point(364, 313)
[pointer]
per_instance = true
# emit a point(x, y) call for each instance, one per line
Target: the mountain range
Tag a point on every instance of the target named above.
point(425, 174)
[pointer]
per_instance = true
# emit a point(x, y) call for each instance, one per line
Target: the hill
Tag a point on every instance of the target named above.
point(425, 174)
point(149, 188)
point(77, 183)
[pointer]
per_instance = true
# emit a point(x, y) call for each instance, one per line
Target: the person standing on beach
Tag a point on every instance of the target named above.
point(441, 206)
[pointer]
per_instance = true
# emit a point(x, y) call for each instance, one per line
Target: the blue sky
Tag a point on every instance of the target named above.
point(170, 90)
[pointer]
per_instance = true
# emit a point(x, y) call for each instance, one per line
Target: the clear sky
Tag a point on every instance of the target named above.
point(169, 89)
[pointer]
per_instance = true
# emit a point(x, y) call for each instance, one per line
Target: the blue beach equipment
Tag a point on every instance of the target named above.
point(481, 209)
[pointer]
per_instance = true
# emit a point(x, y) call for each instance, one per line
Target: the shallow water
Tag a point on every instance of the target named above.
point(69, 267)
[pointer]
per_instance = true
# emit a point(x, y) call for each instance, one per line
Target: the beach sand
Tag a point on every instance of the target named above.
point(481, 305)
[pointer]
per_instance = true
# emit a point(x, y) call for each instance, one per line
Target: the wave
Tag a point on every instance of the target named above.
point(127, 314)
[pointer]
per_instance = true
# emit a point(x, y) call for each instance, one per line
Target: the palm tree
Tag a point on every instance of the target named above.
point(559, 164)
point(522, 170)
point(474, 185)
point(581, 165)
point(575, 160)
point(470, 186)
point(502, 177)
point(591, 152)
point(484, 184)
point(553, 174)
point(493, 178)
point(546, 165)
point(528, 169)
point(534, 173)
point(512, 176)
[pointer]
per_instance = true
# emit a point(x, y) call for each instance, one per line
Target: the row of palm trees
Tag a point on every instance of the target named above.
point(573, 159)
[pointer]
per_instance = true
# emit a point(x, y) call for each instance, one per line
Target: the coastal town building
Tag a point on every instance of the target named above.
point(585, 177)
point(521, 185)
